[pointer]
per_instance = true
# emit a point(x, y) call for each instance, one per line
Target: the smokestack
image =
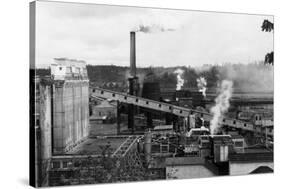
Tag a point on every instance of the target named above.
point(133, 80)
point(133, 53)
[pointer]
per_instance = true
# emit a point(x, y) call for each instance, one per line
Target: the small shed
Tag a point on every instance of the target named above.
point(105, 109)
point(238, 143)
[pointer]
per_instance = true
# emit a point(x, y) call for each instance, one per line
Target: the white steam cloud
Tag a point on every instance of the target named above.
point(254, 77)
point(152, 28)
point(180, 80)
point(222, 105)
point(157, 21)
point(202, 85)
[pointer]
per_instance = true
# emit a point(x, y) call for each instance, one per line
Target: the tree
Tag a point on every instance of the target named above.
point(268, 26)
point(269, 58)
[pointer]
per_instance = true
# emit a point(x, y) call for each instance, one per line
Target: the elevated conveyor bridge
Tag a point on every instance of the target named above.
point(175, 110)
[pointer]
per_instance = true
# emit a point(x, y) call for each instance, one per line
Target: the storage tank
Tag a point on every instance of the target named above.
point(147, 145)
point(151, 90)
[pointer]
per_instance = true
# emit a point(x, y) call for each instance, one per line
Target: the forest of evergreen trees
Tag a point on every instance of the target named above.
point(254, 76)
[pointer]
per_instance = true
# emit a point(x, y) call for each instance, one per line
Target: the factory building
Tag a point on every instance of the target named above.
point(61, 118)
point(63, 105)
point(43, 128)
point(178, 146)
point(179, 156)
point(187, 167)
point(70, 103)
point(251, 162)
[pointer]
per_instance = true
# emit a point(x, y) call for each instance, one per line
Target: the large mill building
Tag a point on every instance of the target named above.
point(70, 103)
point(61, 109)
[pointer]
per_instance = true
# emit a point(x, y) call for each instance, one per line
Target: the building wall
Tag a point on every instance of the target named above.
point(43, 132)
point(255, 107)
point(246, 168)
point(45, 121)
point(187, 171)
point(71, 114)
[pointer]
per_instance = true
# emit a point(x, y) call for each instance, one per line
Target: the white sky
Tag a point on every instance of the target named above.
point(99, 34)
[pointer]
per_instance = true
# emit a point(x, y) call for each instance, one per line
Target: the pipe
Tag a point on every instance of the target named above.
point(118, 117)
point(147, 145)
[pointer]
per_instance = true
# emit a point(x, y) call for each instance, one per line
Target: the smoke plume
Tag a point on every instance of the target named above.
point(222, 105)
point(202, 85)
point(152, 28)
point(254, 77)
point(180, 80)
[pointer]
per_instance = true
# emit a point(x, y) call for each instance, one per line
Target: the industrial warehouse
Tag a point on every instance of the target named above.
point(140, 128)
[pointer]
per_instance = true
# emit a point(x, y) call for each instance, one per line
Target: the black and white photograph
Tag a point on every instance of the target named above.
point(125, 93)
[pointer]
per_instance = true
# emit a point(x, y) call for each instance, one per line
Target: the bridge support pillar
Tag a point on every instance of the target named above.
point(131, 112)
point(118, 117)
point(149, 121)
point(168, 118)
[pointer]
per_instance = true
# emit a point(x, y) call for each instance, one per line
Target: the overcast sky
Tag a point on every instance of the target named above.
point(99, 34)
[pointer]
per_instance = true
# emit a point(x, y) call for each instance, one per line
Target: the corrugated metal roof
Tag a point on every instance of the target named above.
point(237, 137)
point(251, 157)
point(222, 139)
point(185, 161)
